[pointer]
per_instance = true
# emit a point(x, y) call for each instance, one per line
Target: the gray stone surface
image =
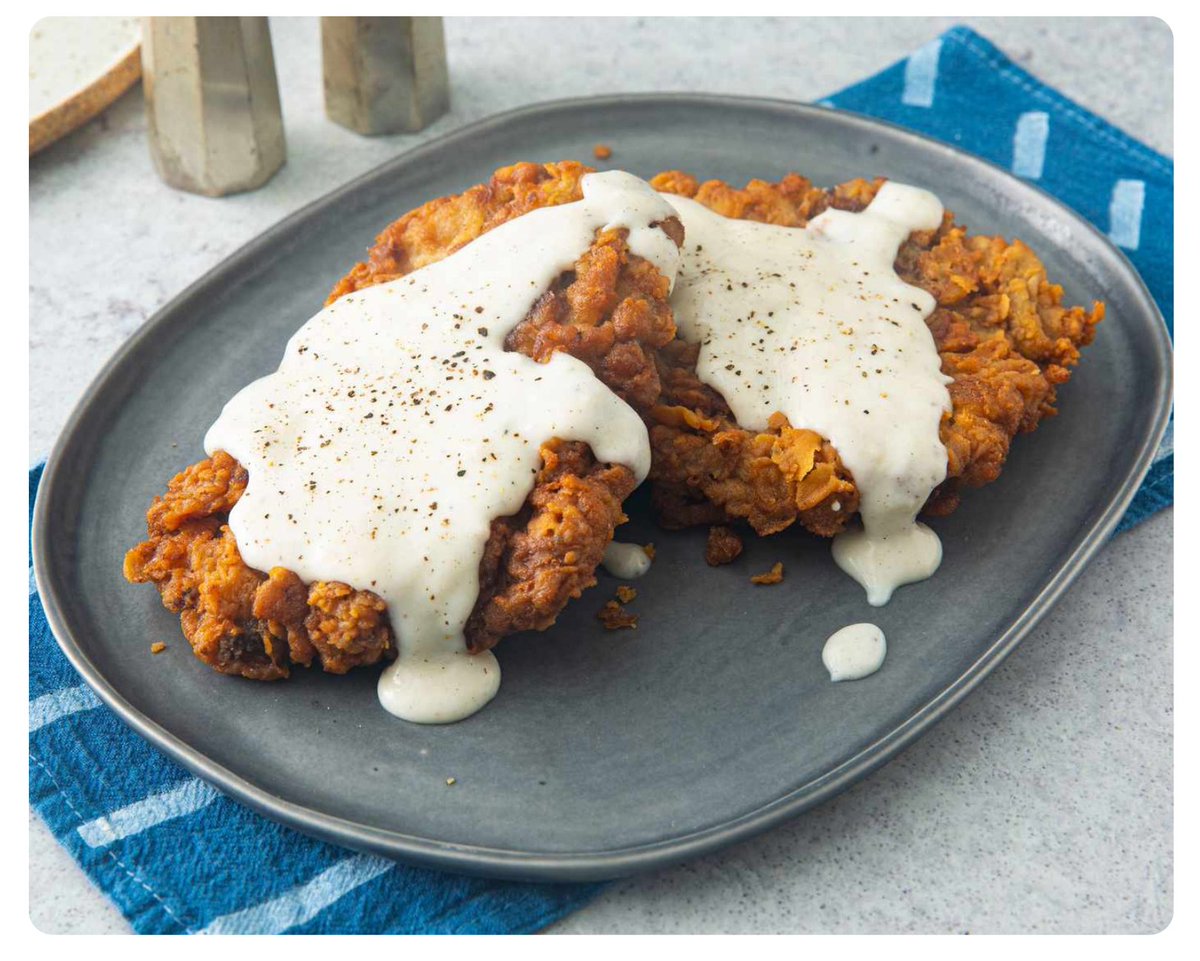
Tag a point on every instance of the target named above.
point(1042, 804)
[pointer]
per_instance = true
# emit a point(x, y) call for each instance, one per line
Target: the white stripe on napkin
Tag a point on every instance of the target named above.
point(1125, 213)
point(920, 75)
point(188, 798)
point(304, 902)
point(1029, 144)
point(50, 707)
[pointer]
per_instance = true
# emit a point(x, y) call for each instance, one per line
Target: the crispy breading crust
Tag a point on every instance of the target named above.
point(1000, 328)
point(611, 312)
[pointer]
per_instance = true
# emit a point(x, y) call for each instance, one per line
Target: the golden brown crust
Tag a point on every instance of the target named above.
point(438, 228)
point(537, 562)
point(237, 619)
point(1000, 328)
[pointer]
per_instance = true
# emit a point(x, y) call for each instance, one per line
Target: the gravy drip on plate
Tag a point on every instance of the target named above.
point(398, 427)
point(814, 322)
point(626, 561)
point(854, 652)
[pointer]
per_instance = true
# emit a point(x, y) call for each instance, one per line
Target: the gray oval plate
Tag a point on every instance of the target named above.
point(605, 753)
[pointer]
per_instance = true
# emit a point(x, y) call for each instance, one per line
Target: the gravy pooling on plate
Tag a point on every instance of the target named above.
point(814, 323)
point(397, 427)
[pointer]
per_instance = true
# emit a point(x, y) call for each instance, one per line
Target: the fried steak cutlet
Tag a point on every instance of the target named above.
point(610, 311)
point(1000, 329)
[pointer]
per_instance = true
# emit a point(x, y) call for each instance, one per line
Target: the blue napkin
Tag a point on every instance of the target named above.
point(962, 90)
point(176, 856)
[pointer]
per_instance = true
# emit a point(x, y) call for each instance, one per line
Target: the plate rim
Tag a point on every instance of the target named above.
point(617, 862)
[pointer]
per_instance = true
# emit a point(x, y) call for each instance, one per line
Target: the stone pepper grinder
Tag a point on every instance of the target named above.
point(212, 102)
point(384, 74)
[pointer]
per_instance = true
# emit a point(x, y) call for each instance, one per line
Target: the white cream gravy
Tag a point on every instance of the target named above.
point(854, 652)
point(626, 561)
point(397, 428)
point(815, 323)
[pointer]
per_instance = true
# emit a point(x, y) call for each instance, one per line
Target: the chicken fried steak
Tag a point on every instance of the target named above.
point(1000, 329)
point(610, 311)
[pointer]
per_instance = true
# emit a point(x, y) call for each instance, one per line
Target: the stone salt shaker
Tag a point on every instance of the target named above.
point(212, 102)
point(384, 74)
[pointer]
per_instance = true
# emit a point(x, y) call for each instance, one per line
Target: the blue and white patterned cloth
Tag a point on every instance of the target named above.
point(960, 89)
point(176, 856)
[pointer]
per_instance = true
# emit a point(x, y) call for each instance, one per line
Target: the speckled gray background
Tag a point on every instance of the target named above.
point(1042, 804)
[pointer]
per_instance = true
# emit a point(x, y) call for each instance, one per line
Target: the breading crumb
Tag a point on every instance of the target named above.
point(723, 546)
point(773, 576)
point(602, 151)
point(649, 549)
point(614, 617)
point(157, 647)
point(625, 593)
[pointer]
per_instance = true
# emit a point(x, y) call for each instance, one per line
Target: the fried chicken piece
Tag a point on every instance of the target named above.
point(611, 312)
point(723, 547)
point(1000, 328)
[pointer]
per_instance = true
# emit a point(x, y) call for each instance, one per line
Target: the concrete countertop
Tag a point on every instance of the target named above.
point(1042, 804)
